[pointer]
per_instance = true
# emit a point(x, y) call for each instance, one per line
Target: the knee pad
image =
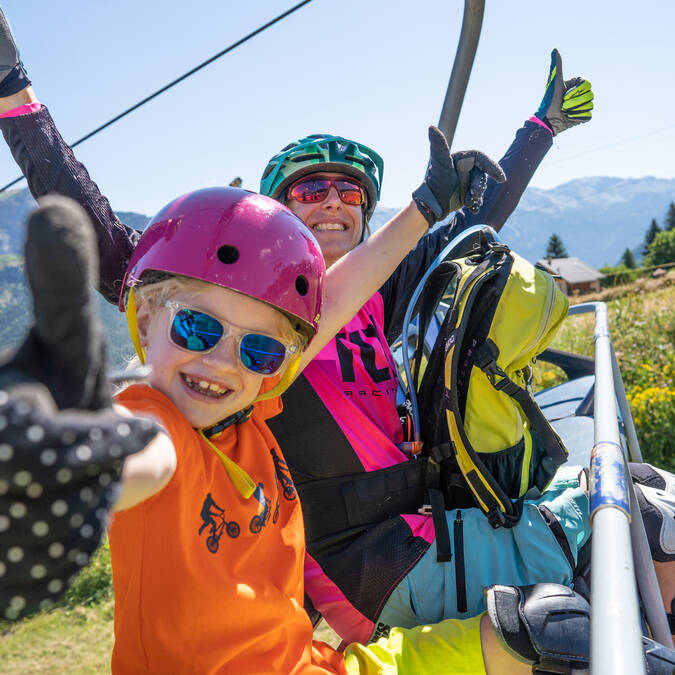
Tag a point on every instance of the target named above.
point(546, 625)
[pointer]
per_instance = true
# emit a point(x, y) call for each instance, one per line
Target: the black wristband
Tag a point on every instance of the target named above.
point(427, 204)
point(15, 81)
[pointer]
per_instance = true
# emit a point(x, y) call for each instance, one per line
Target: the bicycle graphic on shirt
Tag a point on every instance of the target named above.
point(261, 519)
point(283, 475)
point(214, 517)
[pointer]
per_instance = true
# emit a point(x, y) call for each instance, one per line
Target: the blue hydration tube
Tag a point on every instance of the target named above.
point(450, 251)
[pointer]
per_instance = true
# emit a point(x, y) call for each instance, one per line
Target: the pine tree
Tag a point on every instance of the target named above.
point(669, 222)
point(628, 259)
point(652, 231)
point(555, 248)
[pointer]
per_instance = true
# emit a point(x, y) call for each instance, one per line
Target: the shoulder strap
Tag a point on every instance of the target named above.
point(489, 495)
point(432, 293)
point(486, 359)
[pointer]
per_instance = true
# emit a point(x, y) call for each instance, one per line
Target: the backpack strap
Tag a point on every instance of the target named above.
point(333, 506)
point(486, 359)
point(490, 497)
point(443, 548)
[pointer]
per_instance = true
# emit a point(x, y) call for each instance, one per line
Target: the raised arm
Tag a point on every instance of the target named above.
point(63, 446)
point(566, 103)
point(50, 167)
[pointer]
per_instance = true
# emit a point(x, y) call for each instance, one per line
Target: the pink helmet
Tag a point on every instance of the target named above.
point(239, 240)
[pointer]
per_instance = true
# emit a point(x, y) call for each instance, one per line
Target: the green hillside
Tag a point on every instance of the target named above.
point(16, 314)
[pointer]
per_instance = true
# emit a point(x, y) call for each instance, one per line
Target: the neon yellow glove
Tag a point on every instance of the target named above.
point(566, 103)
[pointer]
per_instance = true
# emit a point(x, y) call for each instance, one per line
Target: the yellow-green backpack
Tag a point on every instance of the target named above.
point(478, 420)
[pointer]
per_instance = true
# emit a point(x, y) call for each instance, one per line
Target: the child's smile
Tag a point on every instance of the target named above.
point(204, 387)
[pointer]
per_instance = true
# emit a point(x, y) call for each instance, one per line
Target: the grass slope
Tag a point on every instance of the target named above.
point(75, 641)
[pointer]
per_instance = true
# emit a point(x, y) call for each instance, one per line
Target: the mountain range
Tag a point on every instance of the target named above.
point(597, 218)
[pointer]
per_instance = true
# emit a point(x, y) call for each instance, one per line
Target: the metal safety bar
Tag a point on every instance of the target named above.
point(620, 551)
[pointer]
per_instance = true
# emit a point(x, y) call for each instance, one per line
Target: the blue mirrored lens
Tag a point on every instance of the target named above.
point(262, 354)
point(195, 331)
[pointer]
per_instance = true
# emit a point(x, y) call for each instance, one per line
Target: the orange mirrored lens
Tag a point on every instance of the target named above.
point(350, 193)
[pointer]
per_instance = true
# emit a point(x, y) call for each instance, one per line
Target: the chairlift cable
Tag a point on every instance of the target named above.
point(184, 76)
point(611, 145)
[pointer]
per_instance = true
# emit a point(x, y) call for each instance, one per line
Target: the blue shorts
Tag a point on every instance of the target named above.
point(528, 553)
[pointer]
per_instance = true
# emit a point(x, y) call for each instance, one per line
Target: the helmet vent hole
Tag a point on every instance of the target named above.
point(228, 254)
point(301, 285)
point(307, 157)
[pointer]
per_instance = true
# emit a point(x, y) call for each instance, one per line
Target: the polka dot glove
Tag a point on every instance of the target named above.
point(65, 348)
point(61, 444)
point(59, 476)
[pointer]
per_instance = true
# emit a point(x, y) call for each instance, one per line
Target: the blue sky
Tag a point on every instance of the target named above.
point(373, 70)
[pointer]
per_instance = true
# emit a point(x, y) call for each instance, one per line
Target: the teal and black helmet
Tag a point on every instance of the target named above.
point(324, 152)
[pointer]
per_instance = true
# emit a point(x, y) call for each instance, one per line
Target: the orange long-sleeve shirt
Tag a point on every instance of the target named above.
point(205, 580)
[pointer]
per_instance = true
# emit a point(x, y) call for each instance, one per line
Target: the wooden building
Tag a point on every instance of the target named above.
point(573, 276)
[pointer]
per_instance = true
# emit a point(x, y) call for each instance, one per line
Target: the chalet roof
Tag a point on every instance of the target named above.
point(572, 270)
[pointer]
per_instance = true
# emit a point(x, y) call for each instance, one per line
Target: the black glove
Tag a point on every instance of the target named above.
point(65, 349)
point(453, 181)
point(62, 446)
point(548, 626)
point(13, 76)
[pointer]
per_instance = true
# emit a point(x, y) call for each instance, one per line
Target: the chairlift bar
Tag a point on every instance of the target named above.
point(616, 642)
point(634, 451)
point(472, 22)
point(645, 574)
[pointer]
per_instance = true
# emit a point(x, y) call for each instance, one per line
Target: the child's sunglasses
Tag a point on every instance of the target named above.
point(197, 331)
point(312, 190)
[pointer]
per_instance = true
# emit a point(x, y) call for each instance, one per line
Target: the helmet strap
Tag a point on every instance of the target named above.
point(132, 322)
point(283, 384)
point(365, 229)
point(240, 479)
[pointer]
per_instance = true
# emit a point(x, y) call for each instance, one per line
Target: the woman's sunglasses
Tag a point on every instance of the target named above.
point(197, 331)
point(313, 190)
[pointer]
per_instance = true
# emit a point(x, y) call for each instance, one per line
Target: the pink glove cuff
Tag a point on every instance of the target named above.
point(536, 120)
point(24, 109)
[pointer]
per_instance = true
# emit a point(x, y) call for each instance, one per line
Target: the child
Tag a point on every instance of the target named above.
point(223, 297)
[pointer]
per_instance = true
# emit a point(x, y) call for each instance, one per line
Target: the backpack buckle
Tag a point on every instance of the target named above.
point(506, 384)
point(485, 358)
point(496, 518)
